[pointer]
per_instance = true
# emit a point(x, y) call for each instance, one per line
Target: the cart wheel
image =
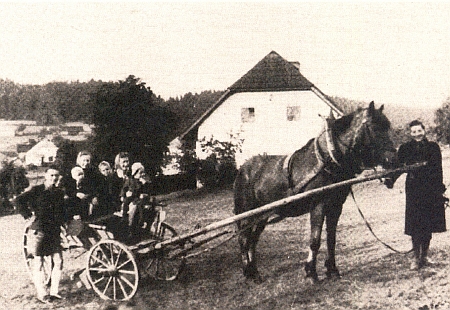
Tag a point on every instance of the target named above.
point(159, 265)
point(28, 249)
point(112, 270)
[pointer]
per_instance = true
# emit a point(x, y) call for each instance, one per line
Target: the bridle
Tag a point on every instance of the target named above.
point(334, 145)
point(333, 150)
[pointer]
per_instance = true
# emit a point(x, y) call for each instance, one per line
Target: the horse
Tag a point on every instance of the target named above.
point(345, 147)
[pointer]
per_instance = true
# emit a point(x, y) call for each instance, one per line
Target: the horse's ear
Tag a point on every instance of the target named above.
point(381, 108)
point(371, 107)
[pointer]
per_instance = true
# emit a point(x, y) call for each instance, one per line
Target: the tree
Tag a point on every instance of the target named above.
point(442, 121)
point(190, 107)
point(126, 118)
point(65, 156)
point(13, 181)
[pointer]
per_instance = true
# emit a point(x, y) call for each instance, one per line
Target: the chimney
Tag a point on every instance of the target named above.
point(296, 64)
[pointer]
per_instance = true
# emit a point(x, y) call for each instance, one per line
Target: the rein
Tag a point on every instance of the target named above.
point(371, 230)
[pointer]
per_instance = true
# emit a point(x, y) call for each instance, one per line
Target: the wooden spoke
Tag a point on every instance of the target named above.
point(118, 256)
point(100, 269)
point(124, 291)
point(126, 280)
point(113, 274)
point(114, 287)
point(107, 285)
point(100, 261)
point(111, 253)
point(104, 254)
point(99, 280)
point(123, 264)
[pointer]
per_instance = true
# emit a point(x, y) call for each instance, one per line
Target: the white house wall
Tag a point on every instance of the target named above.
point(271, 132)
point(43, 152)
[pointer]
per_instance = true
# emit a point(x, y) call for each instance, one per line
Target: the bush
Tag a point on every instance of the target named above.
point(219, 168)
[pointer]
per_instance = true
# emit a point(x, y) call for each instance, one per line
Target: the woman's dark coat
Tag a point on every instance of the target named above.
point(425, 212)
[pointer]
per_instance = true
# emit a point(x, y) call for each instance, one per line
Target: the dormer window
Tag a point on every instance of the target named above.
point(293, 113)
point(248, 115)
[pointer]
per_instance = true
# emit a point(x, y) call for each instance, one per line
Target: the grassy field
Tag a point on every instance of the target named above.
point(373, 277)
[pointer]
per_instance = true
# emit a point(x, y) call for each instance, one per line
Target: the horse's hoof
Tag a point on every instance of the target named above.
point(311, 273)
point(313, 280)
point(256, 279)
point(333, 275)
point(253, 275)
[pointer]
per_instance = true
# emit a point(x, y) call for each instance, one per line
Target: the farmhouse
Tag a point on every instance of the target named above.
point(273, 108)
point(44, 152)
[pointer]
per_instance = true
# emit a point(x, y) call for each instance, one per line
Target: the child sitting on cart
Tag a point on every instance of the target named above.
point(138, 208)
point(78, 209)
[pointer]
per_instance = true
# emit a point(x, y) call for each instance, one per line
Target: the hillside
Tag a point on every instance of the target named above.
point(398, 115)
point(401, 116)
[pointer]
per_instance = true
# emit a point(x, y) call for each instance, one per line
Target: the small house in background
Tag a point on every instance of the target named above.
point(44, 152)
point(9, 128)
point(273, 108)
point(79, 126)
point(71, 130)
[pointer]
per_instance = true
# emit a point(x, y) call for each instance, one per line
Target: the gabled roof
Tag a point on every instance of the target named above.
point(44, 145)
point(272, 73)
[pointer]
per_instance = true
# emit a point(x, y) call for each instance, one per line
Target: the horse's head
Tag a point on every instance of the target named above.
point(368, 137)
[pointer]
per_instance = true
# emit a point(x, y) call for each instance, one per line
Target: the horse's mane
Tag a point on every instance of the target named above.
point(343, 123)
point(378, 118)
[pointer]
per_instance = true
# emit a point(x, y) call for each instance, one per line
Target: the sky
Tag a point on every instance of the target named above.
point(391, 53)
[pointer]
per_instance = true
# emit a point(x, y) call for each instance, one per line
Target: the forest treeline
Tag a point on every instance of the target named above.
point(56, 103)
point(107, 106)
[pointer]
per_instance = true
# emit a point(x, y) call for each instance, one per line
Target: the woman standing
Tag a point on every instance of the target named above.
point(424, 188)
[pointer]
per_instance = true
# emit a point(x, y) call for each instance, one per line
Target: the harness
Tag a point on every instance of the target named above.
point(323, 163)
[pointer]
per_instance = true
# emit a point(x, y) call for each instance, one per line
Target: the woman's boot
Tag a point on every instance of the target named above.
point(416, 263)
point(424, 260)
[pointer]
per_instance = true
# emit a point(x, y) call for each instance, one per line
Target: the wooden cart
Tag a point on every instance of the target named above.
point(113, 267)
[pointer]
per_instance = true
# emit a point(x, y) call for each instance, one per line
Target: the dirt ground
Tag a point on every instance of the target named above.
point(373, 277)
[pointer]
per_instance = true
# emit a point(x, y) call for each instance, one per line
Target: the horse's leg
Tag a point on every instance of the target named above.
point(332, 219)
point(248, 239)
point(316, 221)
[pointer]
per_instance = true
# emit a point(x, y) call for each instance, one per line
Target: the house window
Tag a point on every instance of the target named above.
point(293, 113)
point(248, 115)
